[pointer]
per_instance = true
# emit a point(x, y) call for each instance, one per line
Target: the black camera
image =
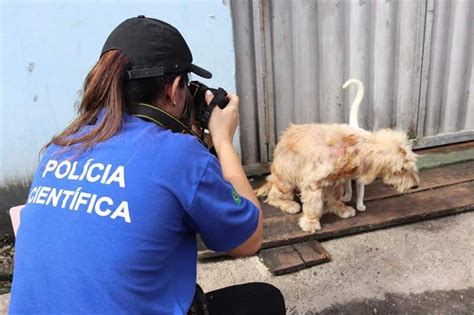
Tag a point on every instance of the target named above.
point(202, 111)
point(196, 111)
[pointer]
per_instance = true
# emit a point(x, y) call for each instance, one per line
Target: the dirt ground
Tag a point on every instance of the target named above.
point(6, 264)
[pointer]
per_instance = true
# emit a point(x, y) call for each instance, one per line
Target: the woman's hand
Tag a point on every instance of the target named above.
point(223, 122)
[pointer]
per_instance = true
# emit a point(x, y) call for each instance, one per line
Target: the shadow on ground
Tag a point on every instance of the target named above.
point(430, 302)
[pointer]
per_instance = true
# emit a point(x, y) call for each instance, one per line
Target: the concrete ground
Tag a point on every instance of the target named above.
point(421, 268)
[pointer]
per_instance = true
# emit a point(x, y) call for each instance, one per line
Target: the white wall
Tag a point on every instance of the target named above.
point(48, 47)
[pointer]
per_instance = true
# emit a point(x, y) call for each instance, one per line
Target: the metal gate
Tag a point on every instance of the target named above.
point(414, 57)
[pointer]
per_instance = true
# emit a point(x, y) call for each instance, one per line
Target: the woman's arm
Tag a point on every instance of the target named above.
point(222, 126)
point(234, 173)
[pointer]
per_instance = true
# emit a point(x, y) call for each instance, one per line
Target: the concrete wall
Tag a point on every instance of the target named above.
point(47, 49)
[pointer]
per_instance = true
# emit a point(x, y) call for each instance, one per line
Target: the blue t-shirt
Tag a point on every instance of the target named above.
point(113, 230)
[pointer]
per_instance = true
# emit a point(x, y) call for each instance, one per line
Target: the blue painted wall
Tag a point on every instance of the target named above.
point(48, 47)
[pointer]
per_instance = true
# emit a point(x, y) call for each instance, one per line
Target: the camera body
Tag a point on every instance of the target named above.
point(201, 109)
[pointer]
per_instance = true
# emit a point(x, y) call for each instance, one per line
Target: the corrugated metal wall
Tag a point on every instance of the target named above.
point(414, 57)
point(447, 105)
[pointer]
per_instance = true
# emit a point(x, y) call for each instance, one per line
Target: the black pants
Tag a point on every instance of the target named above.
point(246, 299)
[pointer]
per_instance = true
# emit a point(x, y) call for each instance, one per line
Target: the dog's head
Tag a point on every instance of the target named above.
point(400, 170)
point(392, 159)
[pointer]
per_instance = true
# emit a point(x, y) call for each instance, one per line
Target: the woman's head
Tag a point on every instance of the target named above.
point(166, 92)
point(144, 60)
point(158, 57)
point(107, 90)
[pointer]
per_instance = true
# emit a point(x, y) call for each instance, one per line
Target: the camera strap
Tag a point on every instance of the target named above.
point(220, 99)
point(161, 118)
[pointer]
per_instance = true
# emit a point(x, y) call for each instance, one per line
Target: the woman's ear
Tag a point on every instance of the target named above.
point(172, 88)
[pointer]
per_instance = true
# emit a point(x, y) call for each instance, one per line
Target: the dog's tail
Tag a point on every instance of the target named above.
point(354, 115)
point(263, 190)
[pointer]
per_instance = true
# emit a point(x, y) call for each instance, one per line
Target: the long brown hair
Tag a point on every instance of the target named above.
point(105, 88)
point(102, 90)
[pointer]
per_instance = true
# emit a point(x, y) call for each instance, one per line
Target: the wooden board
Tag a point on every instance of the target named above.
point(442, 191)
point(291, 258)
point(381, 213)
point(284, 230)
point(429, 179)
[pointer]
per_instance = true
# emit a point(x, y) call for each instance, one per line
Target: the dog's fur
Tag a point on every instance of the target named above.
point(354, 122)
point(315, 160)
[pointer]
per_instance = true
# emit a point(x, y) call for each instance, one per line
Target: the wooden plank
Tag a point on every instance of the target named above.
point(429, 179)
point(281, 260)
point(286, 259)
point(284, 230)
point(312, 252)
point(381, 213)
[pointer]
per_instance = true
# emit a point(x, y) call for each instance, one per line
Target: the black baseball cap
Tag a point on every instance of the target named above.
point(154, 48)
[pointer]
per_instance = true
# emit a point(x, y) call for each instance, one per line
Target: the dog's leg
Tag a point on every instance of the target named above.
point(336, 206)
point(347, 191)
point(281, 196)
point(312, 199)
point(360, 196)
point(341, 210)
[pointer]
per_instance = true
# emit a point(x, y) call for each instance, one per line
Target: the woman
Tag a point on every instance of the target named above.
point(111, 219)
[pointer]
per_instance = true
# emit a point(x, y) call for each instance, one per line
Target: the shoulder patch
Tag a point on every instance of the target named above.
point(236, 197)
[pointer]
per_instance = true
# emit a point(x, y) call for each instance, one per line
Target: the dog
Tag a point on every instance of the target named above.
point(315, 160)
point(354, 122)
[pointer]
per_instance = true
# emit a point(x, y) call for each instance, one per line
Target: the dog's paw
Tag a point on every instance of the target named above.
point(291, 207)
point(361, 207)
point(346, 197)
point(346, 212)
point(308, 225)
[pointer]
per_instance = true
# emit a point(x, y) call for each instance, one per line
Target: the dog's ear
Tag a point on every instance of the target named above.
point(402, 151)
point(408, 154)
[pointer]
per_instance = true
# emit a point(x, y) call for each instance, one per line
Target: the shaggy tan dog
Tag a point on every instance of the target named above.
point(315, 160)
